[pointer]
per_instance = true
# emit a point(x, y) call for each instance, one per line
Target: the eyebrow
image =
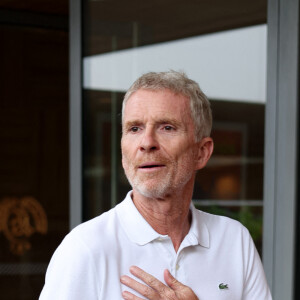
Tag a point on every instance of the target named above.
point(137, 122)
point(169, 121)
point(129, 124)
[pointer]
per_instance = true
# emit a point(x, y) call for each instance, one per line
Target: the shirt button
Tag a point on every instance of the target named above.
point(177, 267)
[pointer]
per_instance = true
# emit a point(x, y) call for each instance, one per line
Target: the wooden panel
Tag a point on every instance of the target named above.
point(60, 7)
point(33, 154)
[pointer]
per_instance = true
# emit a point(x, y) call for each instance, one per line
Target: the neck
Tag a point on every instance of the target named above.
point(169, 215)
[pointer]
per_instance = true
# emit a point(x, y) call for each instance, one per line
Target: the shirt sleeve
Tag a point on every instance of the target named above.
point(71, 273)
point(255, 284)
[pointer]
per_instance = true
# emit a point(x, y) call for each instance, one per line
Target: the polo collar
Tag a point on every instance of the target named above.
point(199, 229)
point(140, 232)
point(136, 227)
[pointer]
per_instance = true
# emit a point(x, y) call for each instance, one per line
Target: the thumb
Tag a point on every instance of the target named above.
point(172, 282)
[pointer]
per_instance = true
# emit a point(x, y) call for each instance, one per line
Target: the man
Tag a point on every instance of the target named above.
point(155, 244)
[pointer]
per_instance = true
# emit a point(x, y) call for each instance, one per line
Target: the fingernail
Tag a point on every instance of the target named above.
point(133, 269)
point(123, 279)
point(125, 295)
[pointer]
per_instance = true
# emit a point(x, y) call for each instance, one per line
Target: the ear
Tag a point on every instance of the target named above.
point(205, 150)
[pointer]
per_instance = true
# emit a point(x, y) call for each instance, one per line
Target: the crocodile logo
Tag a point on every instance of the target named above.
point(223, 286)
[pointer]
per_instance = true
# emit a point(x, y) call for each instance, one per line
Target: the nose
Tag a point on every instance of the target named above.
point(149, 141)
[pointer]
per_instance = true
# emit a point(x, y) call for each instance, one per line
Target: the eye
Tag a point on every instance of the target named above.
point(134, 129)
point(168, 128)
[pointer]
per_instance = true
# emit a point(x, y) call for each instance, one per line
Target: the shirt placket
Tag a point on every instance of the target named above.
point(174, 259)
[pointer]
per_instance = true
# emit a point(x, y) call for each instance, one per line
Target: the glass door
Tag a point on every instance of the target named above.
point(223, 48)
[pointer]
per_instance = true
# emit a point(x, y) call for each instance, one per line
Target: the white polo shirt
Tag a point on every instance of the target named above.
point(217, 258)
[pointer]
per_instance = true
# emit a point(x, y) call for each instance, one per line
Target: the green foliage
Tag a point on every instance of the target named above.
point(247, 215)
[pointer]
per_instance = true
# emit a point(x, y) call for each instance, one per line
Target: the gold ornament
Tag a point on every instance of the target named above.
point(20, 219)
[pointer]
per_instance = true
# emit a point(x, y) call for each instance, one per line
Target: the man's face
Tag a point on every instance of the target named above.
point(158, 143)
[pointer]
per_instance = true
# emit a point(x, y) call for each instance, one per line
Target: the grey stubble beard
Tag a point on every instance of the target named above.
point(161, 188)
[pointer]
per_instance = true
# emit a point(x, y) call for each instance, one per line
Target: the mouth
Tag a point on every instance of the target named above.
point(149, 166)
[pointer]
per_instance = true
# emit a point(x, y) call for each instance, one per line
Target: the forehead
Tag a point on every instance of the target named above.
point(161, 103)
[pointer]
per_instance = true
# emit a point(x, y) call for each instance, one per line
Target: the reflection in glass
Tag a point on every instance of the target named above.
point(215, 48)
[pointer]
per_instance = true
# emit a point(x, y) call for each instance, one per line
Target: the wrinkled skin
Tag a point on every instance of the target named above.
point(153, 289)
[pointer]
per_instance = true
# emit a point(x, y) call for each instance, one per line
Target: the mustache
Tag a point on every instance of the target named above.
point(150, 158)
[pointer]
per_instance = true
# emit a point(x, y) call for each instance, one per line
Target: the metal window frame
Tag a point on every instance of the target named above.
point(75, 117)
point(280, 181)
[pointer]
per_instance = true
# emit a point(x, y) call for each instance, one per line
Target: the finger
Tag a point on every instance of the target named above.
point(129, 296)
point(150, 280)
point(181, 291)
point(172, 282)
point(144, 290)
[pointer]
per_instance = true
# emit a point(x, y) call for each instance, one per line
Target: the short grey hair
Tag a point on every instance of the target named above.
point(178, 83)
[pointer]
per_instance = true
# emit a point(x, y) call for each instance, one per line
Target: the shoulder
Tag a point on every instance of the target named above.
point(76, 257)
point(72, 272)
point(95, 232)
point(104, 221)
point(224, 231)
point(219, 223)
